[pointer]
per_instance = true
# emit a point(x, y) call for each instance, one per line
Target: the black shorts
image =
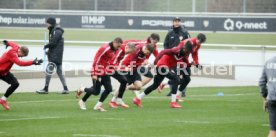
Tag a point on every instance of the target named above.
point(133, 76)
point(146, 72)
point(272, 114)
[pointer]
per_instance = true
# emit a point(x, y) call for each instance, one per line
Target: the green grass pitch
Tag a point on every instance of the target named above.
point(236, 114)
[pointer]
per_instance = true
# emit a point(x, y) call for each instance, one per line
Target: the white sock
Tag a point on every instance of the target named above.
point(119, 101)
point(82, 89)
point(114, 98)
point(4, 98)
point(98, 105)
point(173, 97)
point(136, 92)
point(115, 93)
point(142, 95)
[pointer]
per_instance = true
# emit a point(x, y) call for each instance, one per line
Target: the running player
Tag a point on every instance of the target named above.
point(166, 61)
point(101, 73)
point(7, 60)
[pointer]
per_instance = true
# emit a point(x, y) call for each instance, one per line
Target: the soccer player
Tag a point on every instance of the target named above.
point(7, 60)
point(126, 48)
point(101, 71)
point(175, 35)
point(267, 85)
point(165, 62)
point(55, 54)
point(134, 62)
point(185, 80)
point(146, 69)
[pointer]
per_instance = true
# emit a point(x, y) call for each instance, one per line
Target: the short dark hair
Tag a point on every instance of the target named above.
point(201, 37)
point(155, 36)
point(176, 19)
point(51, 21)
point(188, 46)
point(150, 47)
point(24, 50)
point(119, 40)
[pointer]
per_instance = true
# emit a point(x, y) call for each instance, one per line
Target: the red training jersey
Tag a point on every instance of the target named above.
point(10, 57)
point(102, 59)
point(194, 52)
point(135, 59)
point(169, 57)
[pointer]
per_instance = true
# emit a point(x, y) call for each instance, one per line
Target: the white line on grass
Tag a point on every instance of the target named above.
point(119, 119)
point(212, 95)
point(92, 135)
point(41, 101)
point(195, 122)
point(265, 125)
point(20, 119)
point(225, 100)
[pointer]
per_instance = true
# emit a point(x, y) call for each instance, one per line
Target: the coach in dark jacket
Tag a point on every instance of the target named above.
point(55, 45)
point(176, 34)
point(55, 55)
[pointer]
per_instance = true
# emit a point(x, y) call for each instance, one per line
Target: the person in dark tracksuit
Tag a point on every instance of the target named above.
point(267, 85)
point(10, 57)
point(55, 55)
point(175, 35)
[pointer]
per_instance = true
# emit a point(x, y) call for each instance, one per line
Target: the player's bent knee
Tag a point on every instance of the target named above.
point(138, 85)
point(188, 79)
point(123, 81)
point(15, 85)
point(108, 91)
point(138, 88)
point(176, 81)
point(96, 93)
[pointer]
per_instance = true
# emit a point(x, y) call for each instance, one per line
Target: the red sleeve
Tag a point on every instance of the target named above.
point(98, 57)
point(118, 57)
point(155, 52)
point(166, 52)
point(14, 58)
point(195, 55)
point(12, 45)
point(186, 60)
point(181, 44)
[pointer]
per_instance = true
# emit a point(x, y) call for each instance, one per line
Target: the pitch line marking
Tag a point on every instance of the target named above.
point(34, 118)
point(265, 125)
point(41, 101)
point(92, 135)
point(120, 119)
point(194, 122)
